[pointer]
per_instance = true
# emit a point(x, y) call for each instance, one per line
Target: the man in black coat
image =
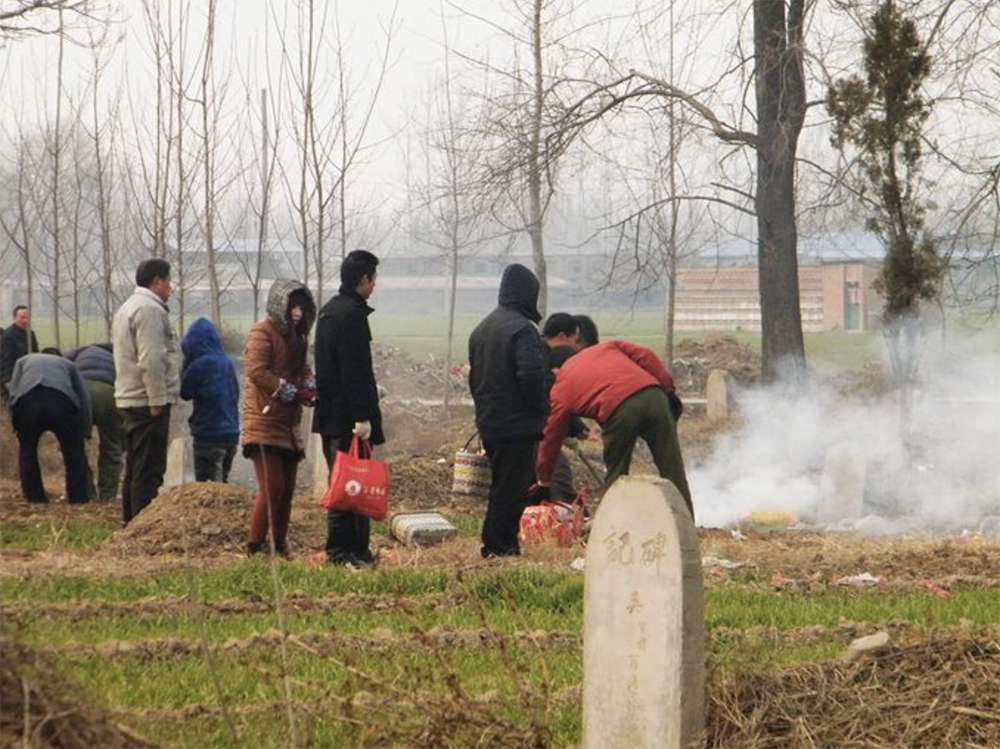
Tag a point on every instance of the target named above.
point(508, 380)
point(347, 396)
point(14, 344)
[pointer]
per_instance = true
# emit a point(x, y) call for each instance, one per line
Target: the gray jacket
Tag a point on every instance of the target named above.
point(147, 355)
point(45, 370)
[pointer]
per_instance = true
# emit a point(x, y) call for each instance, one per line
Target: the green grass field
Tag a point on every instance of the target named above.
point(377, 658)
point(424, 336)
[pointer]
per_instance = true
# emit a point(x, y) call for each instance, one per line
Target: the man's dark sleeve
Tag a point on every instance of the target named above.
point(34, 344)
point(356, 372)
point(577, 428)
point(86, 410)
point(7, 357)
point(529, 366)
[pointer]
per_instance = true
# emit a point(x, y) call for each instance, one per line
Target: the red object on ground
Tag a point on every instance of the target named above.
point(933, 588)
point(560, 523)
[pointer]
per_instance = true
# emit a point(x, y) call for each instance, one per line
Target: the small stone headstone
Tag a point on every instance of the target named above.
point(180, 464)
point(644, 631)
point(718, 394)
point(320, 473)
point(842, 485)
point(867, 646)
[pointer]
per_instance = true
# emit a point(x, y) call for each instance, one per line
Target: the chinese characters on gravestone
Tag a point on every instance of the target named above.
point(644, 673)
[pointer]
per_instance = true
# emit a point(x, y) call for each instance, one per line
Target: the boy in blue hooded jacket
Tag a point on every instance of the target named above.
point(208, 378)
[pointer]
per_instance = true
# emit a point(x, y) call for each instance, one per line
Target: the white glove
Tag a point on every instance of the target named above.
point(363, 429)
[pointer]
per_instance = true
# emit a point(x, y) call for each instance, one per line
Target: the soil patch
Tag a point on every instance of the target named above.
point(872, 382)
point(695, 358)
point(49, 456)
point(942, 692)
point(16, 510)
point(203, 519)
point(806, 559)
point(403, 376)
point(39, 711)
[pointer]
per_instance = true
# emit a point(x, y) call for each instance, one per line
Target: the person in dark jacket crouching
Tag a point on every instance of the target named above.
point(96, 365)
point(347, 394)
point(508, 380)
point(208, 378)
point(47, 395)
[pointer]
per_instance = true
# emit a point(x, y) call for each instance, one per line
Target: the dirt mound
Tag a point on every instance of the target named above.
point(403, 376)
point(421, 482)
point(940, 692)
point(39, 712)
point(204, 519)
point(872, 382)
point(695, 358)
point(192, 518)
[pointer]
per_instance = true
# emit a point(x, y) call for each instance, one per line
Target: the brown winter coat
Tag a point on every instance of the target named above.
point(274, 352)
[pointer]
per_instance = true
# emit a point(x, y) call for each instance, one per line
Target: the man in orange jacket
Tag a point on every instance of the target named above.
point(624, 387)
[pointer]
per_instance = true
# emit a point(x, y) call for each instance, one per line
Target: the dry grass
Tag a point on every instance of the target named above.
point(941, 692)
point(38, 713)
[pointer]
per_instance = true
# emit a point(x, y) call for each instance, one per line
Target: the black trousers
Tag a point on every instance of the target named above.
point(348, 534)
point(213, 461)
point(146, 441)
point(513, 466)
point(48, 410)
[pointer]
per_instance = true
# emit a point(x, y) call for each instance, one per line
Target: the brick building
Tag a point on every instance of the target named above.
point(832, 295)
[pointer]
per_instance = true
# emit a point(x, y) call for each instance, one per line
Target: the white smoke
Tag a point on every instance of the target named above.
point(949, 477)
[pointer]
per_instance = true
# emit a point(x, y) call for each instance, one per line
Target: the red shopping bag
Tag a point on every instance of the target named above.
point(358, 483)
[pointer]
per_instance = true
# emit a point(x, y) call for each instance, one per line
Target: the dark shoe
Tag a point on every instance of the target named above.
point(282, 551)
point(255, 548)
point(352, 561)
point(37, 500)
point(366, 562)
point(496, 553)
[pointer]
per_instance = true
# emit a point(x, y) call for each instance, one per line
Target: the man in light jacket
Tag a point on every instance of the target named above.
point(147, 363)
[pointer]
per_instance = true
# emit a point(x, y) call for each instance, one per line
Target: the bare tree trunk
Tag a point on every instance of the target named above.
point(76, 251)
point(534, 162)
point(179, 208)
point(208, 135)
point(102, 209)
point(780, 90)
point(265, 199)
point(56, 156)
point(672, 184)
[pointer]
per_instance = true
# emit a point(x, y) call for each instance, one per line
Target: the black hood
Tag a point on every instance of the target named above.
point(519, 290)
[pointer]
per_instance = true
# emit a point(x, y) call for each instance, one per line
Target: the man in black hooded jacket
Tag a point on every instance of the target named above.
point(347, 402)
point(508, 381)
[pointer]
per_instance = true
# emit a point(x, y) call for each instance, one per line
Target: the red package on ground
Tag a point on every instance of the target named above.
point(559, 523)
point(358, 483)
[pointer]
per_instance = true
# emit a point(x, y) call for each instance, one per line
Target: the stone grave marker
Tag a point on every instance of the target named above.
point(644, 629)
point(718, 394)
point(842, 485)
point(180, 463)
